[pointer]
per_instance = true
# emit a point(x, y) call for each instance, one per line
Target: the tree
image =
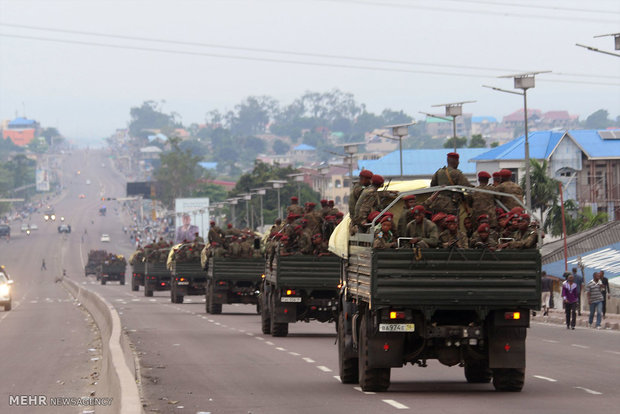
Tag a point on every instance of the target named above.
point(477, 141)
point(544, 189)
point(177, 173)
point(494, 144)
point(148, 116)
point(588, 220)
point(598, 120)
point(461, 142)
point(280, 147)
point(252, 115)
point(553, 222)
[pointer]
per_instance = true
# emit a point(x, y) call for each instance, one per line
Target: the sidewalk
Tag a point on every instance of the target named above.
point(558, 317)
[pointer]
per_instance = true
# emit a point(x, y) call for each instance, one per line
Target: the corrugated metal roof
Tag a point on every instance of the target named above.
point(17, 122)
point(594, 145)
point(421, 162)
point(592, 239)
point(481, 119)
point(304, 147)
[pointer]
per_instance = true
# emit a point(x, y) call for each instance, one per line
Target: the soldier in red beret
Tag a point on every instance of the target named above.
point(422, 231)
point(357, 188)
point(483, 203)
point(405, 215)
point(483, 238)
point(448, 201)
point(314, 218)
point(496, 179)
point(384, 236)
point(452, 236)
point(368, 201)
point(509, 187)
point(295, 208)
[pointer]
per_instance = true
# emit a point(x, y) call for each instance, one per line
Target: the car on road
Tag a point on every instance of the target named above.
point(87, 182)
point(34, 227)
point(82, 196)
point(105, 238)
point(5, 230)
point(64, 228)
point(6, 283)
point(24, 228)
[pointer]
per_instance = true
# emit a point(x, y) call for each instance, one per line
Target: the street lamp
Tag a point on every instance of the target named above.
point(261, 192)
point(277, 184)
point(323, 171)
point(351, 150)
point(523, 81)
point(400, 131)
point(298, 178)
point(247, 197)
point(233, 202)
point(453, 110)
point(616, 45)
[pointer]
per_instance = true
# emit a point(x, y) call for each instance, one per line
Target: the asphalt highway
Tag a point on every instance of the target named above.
point(193, 362)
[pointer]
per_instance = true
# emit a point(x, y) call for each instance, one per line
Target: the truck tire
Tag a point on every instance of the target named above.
point(122, 280)
point(7, 306)
point(508, 379)
point(134, 285)
point(279, 329)
point(212, 308)
point(148, 291)
point(477, 371)
point(103, 281)
point(265, 317)
point(370, 379)
point(179, 299)
point(348, 367)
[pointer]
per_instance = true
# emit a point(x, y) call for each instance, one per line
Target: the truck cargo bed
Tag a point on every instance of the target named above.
point(305, 271)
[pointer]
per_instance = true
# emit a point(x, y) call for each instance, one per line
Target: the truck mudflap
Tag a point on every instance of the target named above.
point(386, 350)
point(284, 312)
point(507, 347)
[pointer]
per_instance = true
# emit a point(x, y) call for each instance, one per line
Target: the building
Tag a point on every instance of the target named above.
point(21, 131)
point(587, 162)
point(443, 128)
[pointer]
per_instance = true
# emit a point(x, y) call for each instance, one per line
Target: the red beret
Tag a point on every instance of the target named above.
point(298, 227)
point(278, 236)
point(366, 174)
point(505, 173)
point(483, 216)
point(438, 216)
point(517, 210)
point(503, 215)
point(310, 204)
point(484, 174)
point(386, 218)
point(496, 174)
point(453, 155)
point(330, 203)
point(292, 216)
point(212, 223)
point(524, 216)
point(230, 225)
point(303, 220)
point(330, 218)
point(484, 227)
point(377, 179)
point(323, 202)
point(409, 197)
point(340, 214)
point(450, 218)
point(372, 216)
point(417, 209)
point(284, 238)
point(294, 198)
point(317, 236)
point(213, 243)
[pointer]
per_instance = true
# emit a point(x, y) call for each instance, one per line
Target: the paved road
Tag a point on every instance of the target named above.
point(193, 362)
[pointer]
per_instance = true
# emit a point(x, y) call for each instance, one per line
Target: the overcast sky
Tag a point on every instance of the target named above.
point(451, 49)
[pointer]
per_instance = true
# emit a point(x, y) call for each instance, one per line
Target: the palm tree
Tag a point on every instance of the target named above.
point(544, 189)
point(587, 219)
point(553, 222)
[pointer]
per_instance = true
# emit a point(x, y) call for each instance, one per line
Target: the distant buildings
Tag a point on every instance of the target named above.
point(20, 130)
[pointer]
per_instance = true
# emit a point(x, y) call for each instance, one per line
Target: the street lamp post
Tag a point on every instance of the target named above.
point(233, 202)
point(350, 150)
point(261, 192)
point(277, 184)
point(323, 171)
point(523, 81)
point(399, 131)
point(298, 178)
point(453, 110)
point(247, 197)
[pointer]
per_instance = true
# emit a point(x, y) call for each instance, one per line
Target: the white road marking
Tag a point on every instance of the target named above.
point(135, 300)
point(545, 378)
point(211, 320)
point(280, 349)
point(614, 352)
point(34, 301)
point(259, 338)
point(580, 346)
point(269, 342)
point(218, 324)
point(551, 341)
point(294, 353)
point(249, 334)
point(308, 360)
point(242, 330)
point(152, 300)
point(589, 391)
point(338, 378)
point(365, 392)
point(324, 369)
point(396, 404)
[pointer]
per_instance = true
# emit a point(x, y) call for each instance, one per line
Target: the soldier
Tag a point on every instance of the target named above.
point(384, 237)
point(525, 237)
point(439, 220)
point(320, 247)
point(234, 249)
point(496, 178)
point(215, 234)
point(509, 187)
point(405, 215)
point(304, 240)
point(368, 201)
point(422, 231)
point(313, 218)
point(484, 219)
point(447, 201)
point(484, 203)
point(198, 239)
point(277, 226)
point(285, 247)
point(452, 236)
point(295, 208)
point(339, 217)
point(325, 208)
point(332, 210)
point(482, 238)
point(358, 187)
point(468, 226)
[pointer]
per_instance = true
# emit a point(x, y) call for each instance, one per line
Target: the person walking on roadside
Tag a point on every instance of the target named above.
point(580, 282)
point(606, 292)
point(547, 288)
point(43, 267)
point(570, 297)
point(594, 290)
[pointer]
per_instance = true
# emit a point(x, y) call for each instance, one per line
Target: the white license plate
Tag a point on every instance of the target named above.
point(397, 327)
point(289, 299)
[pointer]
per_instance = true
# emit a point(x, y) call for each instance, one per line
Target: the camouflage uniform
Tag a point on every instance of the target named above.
point(368, 201)
point(234, 249)
point(453, 240)
point(356, 192)
point(427, 230)
point(476, 241)
point(295, 209)
point(321, 248)
point(403, 220)
point(447, 201)
point(215, 235)
point(483, 203)
point(510, 187)
point(314, 221)
point(384, 240)
point(526, 240)
point(305, 242)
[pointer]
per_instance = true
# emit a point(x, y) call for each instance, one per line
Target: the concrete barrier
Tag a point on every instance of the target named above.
point(119, 376)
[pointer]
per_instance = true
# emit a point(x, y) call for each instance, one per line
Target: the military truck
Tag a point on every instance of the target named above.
point(156, 275)
point(187, 275)
point(113, 269)
point(232, 279)
point(95, 259)
point(136, 260)
point(299, 288)
point(466, 307)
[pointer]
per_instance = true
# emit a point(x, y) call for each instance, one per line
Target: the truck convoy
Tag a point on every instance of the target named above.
point(187, 275)
point(136, 260)
point(466, 307)
point(156, 275)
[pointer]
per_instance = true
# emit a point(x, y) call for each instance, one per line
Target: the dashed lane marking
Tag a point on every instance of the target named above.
point(580, 346)
point(294, 353)
point(338, 378)
point(613, 352)
point(324, 368)
point(365, 392)
point(280, 348)
point(249, 334)
point(259, 338)
point(396, 404)
point(589, 391)
point(269, 343)
point(551, 341)
point(545, 378)
point(308, 360)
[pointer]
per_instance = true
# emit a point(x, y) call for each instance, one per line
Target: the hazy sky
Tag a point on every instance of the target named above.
point(447, 50)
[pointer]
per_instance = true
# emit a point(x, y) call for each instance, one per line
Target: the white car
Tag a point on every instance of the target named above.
point(25, 228)
point(105, 238)
point(34, 227)
point(87, 182)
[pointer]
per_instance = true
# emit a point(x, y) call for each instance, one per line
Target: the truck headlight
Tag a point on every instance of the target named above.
point(4, 290)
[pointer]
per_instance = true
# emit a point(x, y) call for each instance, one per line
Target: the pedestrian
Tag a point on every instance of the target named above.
point(547, 289)
point(43, 267)
point(569, 296)
point(580, 282)
point(606, 292)
point(594, 290)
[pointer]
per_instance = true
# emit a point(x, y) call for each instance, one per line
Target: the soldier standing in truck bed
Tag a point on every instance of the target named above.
point(448, 201)
point(295, 208)
point(215, 234)
point(484, 203)
point(369, 201)
point(358, 187)
point(509, 187)
point(312, 217)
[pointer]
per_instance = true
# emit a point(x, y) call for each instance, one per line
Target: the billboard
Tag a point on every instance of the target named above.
point(42, 180)
point(191, 216)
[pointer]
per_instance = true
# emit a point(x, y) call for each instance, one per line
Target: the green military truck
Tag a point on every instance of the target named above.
point(299, 288)
point(187, 275)
point(136, 260)
point(466, 307)
point(113, 269)
point(232, 280)
point(93, 265)
point(156, 274)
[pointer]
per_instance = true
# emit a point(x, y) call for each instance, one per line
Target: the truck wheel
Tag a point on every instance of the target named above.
point(103, 281)
point(122, 280)
point(213, 308)
point(508, 379)
point(179, 299)
point(279, 328)
point(370, 379)
point(477, 371)
point(348, 367)
point(134, 285)
point(265, 318)
point(148, 291)
point(7, 307)
point(207, 301)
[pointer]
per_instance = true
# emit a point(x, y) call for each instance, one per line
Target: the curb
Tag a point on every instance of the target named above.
point(118, 378)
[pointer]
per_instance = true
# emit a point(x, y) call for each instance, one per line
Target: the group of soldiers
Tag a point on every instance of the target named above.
point(435, 221)
point(232, 242)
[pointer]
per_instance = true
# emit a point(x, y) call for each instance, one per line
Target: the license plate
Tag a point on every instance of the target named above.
point(397, 327)
point(182, 283)
point(287, 299)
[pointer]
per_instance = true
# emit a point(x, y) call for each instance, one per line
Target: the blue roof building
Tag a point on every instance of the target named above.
point(587, 162)
point(208, 165)
point(304, 147)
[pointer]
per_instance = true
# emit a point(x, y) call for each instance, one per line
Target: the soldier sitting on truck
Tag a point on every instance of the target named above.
point(385, 237)
point(332, 210)
point(312, 217)
point(422, 231)
point(526, 236)
point(285, 246)
point(234, 249)
point(406, 216)
point(320, 247)
point(483, 239)
point(452, 236)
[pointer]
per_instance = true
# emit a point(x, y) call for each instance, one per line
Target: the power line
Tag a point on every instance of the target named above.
point(531, 6)
point(288, 52)
point(274, 60)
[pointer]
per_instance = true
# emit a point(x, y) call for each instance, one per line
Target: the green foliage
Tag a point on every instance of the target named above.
point(252, 115)
point(545, 190)
point(49, 134)
point(280, 147)
point(577, 220)
point(16, 173)
point(461, 142)
point(213, 191)
point(7, 147)
point(598, 120)
point(148, 116)
point(177, 173)
point(38, 146)
point(477, 141)
point(494, 144)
